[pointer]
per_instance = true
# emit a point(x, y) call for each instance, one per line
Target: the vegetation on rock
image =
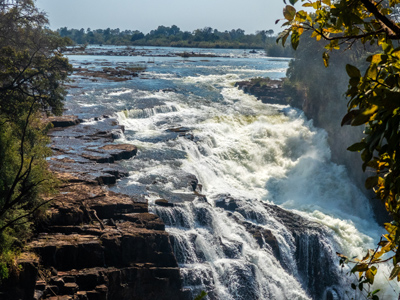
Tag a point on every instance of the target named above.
point(374, 95)
point(31, 73)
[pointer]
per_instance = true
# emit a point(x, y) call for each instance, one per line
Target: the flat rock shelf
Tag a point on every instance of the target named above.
point(95, 243)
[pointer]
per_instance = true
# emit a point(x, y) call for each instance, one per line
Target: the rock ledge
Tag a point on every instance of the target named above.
point(95, 243)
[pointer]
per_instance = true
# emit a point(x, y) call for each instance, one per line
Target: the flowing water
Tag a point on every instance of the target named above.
point(226, 161)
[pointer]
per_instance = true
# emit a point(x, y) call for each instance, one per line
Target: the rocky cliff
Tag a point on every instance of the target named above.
point(94, 243)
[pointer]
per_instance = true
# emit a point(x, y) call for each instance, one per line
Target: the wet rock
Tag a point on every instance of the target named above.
point(144, 220)
point(120, 151)
point(311, 252)
point(64, 121)
point(163, 202)
point(116, 74)
point(226, 202)
point(264, 238)
point(177, 198)
point(98, 157)
point(86, 151)
point(117, 134)
point(182, 132)
point(95, 243)
point(107, 179)
point(179, 129)
point(265, 89)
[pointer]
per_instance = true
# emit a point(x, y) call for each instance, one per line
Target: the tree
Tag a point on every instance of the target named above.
point(374, 98)
point(31, 72)
point(174, 30)
point(137, 35)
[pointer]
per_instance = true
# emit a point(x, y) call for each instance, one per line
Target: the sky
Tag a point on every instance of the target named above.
point(146, 15)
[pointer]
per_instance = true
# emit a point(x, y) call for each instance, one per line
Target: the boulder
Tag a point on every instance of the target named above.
point(64, 121)
point(163, 202)
point(120, 151)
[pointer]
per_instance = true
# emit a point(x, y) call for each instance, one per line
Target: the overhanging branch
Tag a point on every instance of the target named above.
point(394, 29)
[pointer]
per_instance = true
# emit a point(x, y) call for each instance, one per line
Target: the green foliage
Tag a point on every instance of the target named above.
point(374, 95)
point(3, 271)
point(206, 37)
point(31, 73)
point(8, 262)
point(200, 296)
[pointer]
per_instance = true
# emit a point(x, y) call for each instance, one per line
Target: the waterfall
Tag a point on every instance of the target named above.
point(254, 206)
point(229, 236)
point(276, 255)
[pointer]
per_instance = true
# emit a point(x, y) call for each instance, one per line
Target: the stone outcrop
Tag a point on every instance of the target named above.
point(89, 151)
point(316, 268)
point(95, 243)
point(265, 89)
point(64, 121)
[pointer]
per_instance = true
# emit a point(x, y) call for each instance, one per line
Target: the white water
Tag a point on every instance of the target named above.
point(255, 153)
point(251, 151)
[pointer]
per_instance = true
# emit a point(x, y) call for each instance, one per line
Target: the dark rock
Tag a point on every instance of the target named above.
point(144, 220)
point(120, 151)
point(163, 202)
point(311, 252)
point(59, 282)
point(95, 243)
point(98, 157)
point(69, 279)
point(53, 271)
point(264, 237)
point(116, 134)
point(226, 202)
point(21, 285)
point(193, 184)
point(69, 288)
point(107, 179)
point(51, 290)
point(265, 89)
point(40, 285)
point(69, 251)
point(179, 129)
point(64, 121)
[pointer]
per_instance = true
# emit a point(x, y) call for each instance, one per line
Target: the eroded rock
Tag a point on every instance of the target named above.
point(95, 243)
point(64, 121)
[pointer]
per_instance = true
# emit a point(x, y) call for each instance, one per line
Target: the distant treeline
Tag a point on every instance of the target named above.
point(174, 37)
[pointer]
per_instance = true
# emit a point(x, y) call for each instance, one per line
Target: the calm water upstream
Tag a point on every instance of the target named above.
point(247, 156)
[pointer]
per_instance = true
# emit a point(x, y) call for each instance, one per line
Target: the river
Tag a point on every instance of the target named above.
point(226, 160)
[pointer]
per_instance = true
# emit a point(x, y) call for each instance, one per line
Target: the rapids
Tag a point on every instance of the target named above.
point(229, 164)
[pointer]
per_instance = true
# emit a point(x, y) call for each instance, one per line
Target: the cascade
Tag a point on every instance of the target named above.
point(254, 206)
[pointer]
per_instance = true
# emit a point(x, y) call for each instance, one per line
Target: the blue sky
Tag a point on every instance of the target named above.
point(145, 15)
